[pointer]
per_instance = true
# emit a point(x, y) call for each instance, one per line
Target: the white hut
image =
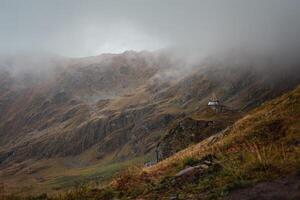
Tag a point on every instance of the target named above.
point(214, 103)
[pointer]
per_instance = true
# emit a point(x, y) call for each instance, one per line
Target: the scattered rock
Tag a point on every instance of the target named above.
point(186, 172)
point(174, 197)
point(204, 166)
point(193, 173)
point(207, 162)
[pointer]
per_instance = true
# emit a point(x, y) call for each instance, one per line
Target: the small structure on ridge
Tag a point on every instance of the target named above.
point(214, 103)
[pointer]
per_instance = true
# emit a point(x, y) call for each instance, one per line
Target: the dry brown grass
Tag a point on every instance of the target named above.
point(256, 148)
point(263, 145)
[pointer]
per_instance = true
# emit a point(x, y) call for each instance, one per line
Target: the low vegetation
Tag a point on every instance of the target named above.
point(262, 146)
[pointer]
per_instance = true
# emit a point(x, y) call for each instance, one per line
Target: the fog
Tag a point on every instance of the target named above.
point(79, 28)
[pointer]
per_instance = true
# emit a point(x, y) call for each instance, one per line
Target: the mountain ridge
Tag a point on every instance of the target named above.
point(95, 111)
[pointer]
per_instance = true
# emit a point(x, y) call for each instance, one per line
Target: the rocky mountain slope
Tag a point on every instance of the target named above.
point(256, 158)
point(192, 130)
point(89, 112)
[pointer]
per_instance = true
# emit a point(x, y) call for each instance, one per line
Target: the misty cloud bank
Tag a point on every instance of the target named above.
point(232, 32)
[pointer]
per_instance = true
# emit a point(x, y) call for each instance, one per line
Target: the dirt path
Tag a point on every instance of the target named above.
point(281, 189)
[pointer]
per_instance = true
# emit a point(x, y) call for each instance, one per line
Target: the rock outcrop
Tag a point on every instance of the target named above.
point(186, 132)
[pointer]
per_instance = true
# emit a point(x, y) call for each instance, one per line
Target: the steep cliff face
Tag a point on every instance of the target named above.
point(190, 130)
point(185, 133)
point(60, 115)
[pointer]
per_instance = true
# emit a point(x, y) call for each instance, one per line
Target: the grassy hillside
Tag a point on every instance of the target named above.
point(99, 114)
point(262, 146)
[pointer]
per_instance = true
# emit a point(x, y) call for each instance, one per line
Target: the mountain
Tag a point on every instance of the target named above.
point(84, 119)
point(255, 158)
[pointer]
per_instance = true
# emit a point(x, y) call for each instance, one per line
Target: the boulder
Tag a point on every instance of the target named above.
point(191, 174)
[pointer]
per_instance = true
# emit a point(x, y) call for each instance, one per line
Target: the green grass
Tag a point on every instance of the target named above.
point(96, 175)
point(262, 146)
point(190, 161)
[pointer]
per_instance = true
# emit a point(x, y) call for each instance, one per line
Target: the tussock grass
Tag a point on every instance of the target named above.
point(263, 145)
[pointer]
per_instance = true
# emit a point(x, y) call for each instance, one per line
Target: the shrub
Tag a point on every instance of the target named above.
point(190, 161)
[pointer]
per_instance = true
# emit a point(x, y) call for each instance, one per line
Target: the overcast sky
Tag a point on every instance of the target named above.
point(90, 27)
